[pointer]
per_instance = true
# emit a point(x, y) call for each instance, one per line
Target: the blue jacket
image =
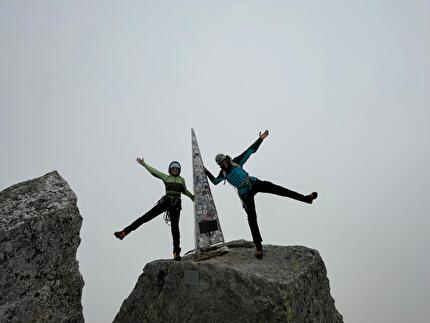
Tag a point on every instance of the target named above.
point(236, 175)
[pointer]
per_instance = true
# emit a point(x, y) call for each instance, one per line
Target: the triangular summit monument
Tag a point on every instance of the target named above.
point(207, 227)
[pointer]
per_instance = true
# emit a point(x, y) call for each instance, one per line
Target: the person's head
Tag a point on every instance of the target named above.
point(174, 168)
point(223, 161)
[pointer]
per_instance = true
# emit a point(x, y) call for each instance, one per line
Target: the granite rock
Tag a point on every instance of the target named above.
point(289, 284)
point(39, 236)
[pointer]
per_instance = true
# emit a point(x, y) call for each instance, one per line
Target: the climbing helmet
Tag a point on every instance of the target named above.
point(174, 164)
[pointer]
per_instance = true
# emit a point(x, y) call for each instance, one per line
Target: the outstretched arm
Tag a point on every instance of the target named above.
point(214, 180)
point(152, 170)
point(243, 157)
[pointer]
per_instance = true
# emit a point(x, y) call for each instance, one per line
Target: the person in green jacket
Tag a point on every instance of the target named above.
point(170, 203)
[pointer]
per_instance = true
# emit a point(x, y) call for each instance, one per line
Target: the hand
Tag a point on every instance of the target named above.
point(205, 170)
point(140, 160)
point(263, 135)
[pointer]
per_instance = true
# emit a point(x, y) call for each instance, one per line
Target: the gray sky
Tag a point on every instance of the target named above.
point(342, 86)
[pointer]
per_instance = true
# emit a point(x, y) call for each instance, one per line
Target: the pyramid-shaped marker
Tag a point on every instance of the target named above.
point(207, 227)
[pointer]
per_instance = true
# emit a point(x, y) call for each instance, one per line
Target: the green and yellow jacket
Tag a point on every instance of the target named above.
point(175, 185)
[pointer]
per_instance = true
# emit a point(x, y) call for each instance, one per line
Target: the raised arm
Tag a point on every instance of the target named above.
point(243, 157)
point(152, 170)
point(214, 180)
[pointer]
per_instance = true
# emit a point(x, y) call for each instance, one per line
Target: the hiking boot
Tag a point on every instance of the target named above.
point(259, 252)
point(120, 234)
point(177, 255)
point(311, 197)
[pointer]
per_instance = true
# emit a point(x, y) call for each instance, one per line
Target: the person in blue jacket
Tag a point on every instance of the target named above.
point(248, 186)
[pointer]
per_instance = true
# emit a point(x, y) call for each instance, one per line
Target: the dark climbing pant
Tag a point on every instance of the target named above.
point(171, 205)
point(249, 203)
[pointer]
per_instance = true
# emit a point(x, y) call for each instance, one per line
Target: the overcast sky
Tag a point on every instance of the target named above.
point(342, 86)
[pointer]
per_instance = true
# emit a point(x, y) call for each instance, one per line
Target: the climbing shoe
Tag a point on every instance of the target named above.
point(259, 252)
point(120, 234)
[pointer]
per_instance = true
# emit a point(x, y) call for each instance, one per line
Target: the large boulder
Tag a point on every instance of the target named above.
point(39, 236)
point(290, 284)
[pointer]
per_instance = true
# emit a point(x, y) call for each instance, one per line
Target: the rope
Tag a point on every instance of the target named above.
point(166, 218)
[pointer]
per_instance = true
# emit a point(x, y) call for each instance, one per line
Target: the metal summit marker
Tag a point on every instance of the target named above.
point(207, 228)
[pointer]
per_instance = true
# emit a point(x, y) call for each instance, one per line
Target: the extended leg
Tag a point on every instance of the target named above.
point(269, 187)
point(152, 213)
